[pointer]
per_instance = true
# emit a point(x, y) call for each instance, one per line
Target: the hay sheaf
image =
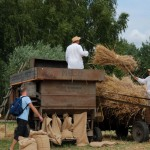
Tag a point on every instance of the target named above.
point(104, 56)
point(116, 89)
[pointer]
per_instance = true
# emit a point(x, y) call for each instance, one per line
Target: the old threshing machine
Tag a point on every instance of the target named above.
point(55, 89)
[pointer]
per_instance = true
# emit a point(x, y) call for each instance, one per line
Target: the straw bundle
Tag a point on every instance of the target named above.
point(104, 56)
point(116, 89)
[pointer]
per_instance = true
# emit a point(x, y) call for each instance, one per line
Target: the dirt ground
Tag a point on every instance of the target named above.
point(128, 144)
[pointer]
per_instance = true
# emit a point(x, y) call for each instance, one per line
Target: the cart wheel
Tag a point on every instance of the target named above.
point(97, 134)
point(122, 131)
point(140, 131)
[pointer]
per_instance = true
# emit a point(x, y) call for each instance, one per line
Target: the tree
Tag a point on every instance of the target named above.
point(144, 59)
point(2, 81)
point(22, 55)
point(103, 27)
point(56, 22)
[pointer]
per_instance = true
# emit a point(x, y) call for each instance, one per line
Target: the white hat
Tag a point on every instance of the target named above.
point(148, 70)
point(76, 38)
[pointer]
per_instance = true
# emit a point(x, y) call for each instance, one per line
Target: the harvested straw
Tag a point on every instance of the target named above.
point(104, 56)
point(114, 88)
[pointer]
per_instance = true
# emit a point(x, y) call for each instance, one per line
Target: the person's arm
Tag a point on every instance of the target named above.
point(36, 111)
point(141, 81)
point(82, 52)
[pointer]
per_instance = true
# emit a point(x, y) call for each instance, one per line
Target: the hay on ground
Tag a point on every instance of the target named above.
point(104, 56)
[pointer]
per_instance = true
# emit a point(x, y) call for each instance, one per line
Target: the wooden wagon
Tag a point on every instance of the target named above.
point(138, 124)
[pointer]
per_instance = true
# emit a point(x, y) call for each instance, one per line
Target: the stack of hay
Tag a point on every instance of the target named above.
point(112, 87)
point(116, 89)
point(104, 56)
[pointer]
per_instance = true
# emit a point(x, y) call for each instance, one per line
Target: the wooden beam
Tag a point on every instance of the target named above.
point(46, 73)
point(24, 76)
point(70, 74)
point(124, 102)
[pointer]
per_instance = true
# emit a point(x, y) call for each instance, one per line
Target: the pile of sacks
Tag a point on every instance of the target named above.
point(38, 140)
point(58, 131)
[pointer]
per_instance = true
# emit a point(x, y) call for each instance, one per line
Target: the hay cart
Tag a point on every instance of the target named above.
point(138, 124)
point(55, 89)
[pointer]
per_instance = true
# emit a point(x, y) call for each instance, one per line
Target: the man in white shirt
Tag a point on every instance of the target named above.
point(74, 54)
point(145, 81)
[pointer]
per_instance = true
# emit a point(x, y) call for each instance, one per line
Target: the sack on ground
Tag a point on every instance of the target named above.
point(66, 134)
point(56, 125)
point(41, 139)
point(40, 132)
point(79, 129)
point(103, 143)
point(27, 144)
point(46, 126)
point(67, 124)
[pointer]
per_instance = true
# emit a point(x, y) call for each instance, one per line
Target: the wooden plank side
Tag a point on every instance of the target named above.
point(45, 73)
point(68, 87)
point(25, 76)
point(37, 62)
point(61, 111)
point(68, 101)
point(70, 74)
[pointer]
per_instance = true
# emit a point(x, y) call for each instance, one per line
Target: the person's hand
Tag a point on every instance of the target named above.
point(136, 78)
point(41, 118)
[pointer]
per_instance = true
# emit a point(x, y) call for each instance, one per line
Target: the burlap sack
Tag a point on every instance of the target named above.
point(42, 139)
point(66, 134)
point(27, 144)
point(67, 124)
point(103, 143)
point(56, 124)
point(40, 132)
point(42, 142)
point(79, 129)
point(46, 126)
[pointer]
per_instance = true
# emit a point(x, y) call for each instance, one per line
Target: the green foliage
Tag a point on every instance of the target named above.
point(57, 21)
point(23, 54)
point(125, 48)
point(2, 81)
point(144, 59)
point(103, 27)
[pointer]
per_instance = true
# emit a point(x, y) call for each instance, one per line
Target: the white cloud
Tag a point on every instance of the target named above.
point(138, 30)
point(137, 37)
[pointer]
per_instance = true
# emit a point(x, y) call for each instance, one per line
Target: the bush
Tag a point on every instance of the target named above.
point(22, 55)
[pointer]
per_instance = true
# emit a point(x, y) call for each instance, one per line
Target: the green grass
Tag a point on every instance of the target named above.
point(5, 144)
point(128, 144)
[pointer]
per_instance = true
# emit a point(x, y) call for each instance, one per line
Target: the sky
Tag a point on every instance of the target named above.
point(138, 30)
